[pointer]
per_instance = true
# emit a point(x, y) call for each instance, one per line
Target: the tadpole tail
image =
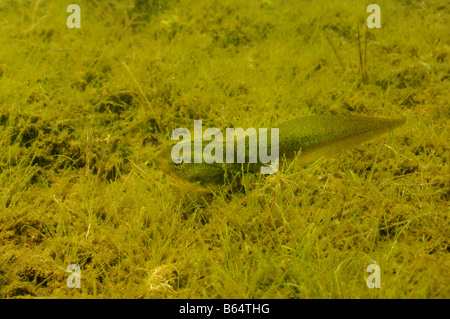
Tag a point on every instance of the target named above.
point(326, 135)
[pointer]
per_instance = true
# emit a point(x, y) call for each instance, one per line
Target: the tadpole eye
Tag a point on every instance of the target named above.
point(177, 160)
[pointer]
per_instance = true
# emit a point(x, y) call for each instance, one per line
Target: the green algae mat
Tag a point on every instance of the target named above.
point(90, 94)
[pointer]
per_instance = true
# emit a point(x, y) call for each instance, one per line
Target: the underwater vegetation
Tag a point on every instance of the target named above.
point(84, 111)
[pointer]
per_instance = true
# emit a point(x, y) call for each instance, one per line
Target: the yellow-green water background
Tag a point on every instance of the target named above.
point(78, 186)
